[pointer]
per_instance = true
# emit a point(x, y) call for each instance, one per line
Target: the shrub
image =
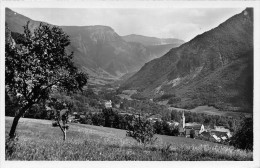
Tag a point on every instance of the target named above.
point(55, 124)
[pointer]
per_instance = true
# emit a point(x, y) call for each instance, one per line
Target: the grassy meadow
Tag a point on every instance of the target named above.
point(38, 140)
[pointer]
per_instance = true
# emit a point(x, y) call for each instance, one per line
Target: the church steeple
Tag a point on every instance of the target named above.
point(183, 120)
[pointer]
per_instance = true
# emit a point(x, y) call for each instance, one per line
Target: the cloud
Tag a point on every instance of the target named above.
point(183, 23)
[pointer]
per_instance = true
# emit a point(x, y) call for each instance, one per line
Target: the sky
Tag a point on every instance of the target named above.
point(182, 23)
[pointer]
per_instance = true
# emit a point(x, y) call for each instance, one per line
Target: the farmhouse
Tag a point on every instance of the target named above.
point(108, 104)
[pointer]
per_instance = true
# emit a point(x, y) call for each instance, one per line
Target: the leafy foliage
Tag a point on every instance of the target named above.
point(40, 63)
point(141, 130)
point(37, 64)
point(165, 97)
point(243, 137)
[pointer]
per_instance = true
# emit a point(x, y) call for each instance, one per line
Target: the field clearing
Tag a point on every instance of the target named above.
point(38, 140)
point(212, 111)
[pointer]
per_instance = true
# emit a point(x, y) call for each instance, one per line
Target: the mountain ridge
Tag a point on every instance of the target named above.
point(150, 41)
point(188, 71)
point(98, 49)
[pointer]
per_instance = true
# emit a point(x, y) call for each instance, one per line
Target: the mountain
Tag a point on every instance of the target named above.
point(100, 47)
point(156, 46)
point(98, 50)
point(150, 41)
point(214, 68)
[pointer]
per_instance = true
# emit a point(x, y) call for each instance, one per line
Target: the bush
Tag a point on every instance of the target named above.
point(55, 124)
point(141, 130)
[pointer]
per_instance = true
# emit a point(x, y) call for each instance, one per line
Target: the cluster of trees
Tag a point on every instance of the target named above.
point(138, 96)
point(114, 119)
point(146, 107)
point(163, 128)
point(165, 97)
point(107, 118)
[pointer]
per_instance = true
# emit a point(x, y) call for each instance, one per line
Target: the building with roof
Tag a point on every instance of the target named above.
point(154, 118)
point(108, 104)
point(223, 136)
point(193, 127)
point(173, 123)
point(222, 130)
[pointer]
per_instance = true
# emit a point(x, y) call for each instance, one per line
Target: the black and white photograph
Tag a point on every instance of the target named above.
point(130, 81)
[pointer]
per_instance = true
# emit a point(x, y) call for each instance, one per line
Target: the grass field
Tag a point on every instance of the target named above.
point(38, 140)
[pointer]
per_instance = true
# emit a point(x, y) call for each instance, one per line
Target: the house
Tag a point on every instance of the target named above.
point(223, 136)
point(216, 138)
point(154, 118)
point(173, 123)
point(222, 129)
point(206, 135)
point(108, 104)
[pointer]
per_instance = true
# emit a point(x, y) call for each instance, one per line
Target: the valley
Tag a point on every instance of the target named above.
point(85, 92)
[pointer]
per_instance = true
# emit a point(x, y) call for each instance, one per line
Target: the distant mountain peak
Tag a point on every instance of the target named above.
point(150, 41)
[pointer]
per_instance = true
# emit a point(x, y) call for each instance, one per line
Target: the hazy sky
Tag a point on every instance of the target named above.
point(182, 23)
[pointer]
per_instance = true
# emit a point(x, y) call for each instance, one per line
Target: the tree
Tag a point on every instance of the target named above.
point(141, 130)
point(243, 137)
point(109, 116)
point(61, 110)
point(36, 65)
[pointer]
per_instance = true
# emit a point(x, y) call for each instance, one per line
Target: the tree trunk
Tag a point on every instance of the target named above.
point(16, 119)
point(63, 130)
point(64, 134)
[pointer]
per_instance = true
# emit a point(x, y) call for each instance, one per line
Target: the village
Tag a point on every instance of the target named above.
point(194, 130)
